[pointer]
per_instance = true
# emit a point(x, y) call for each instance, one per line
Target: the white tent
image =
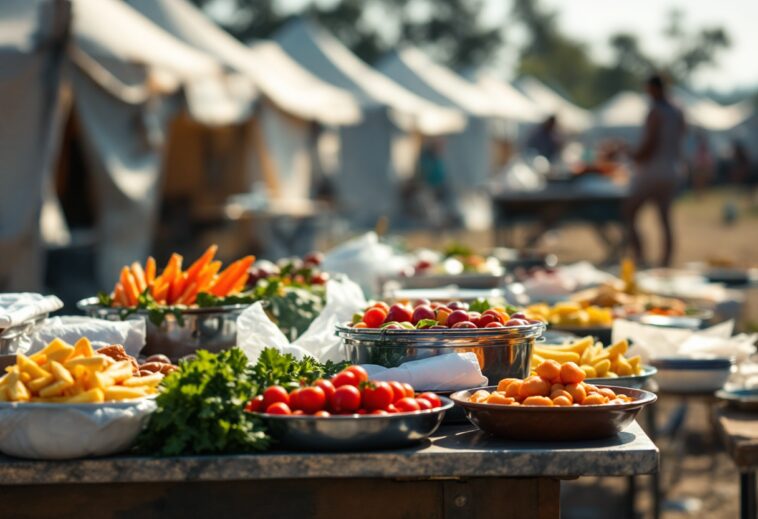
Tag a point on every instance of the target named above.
point(467, 155)
point(509, 102)
point(31, 57)
point(570, 116)
point(368, 177)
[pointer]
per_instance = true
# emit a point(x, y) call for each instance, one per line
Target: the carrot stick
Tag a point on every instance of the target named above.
point(205, 278)
point(150, 271)
point(139, 277)
point(130, 288)
point(239, 285)
point(160, 291)
point(201, 262)
point(119, 296)
point(173, 266)
point(227, 278)
point(177, 287)
point(189, 294)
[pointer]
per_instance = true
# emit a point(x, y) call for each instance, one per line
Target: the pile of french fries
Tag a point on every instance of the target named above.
point(570, 313)
point(175, 286)
point(73, 374)
point(595, 360)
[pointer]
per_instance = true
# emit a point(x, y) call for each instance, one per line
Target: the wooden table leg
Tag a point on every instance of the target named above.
point(747, 496)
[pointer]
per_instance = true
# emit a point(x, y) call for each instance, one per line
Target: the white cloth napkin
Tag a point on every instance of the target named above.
point(655, 341)
point(449, 372)
point(18, 308)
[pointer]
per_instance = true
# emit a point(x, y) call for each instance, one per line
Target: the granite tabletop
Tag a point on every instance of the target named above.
point(455, 451)
point(739, 429)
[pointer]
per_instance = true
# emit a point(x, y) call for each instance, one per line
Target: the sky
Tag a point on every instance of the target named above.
point(593, 21)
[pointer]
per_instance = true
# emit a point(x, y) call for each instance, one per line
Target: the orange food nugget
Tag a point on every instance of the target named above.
point(514, 388)
point(537, 400)
point(534, 386)
point(594, 399)
point(557, 387)
point(503, 384)
point(562, 392)
point(499, 398)
point(571, 373)
point(550, 369)
point(607, 392)
point(562, 400)
point(577, 392)
point(479, 396)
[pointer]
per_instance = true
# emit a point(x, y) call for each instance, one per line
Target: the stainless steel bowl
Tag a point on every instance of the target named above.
point(633, 381)
point(502, 352)
point(353, 432)
point(212, 329)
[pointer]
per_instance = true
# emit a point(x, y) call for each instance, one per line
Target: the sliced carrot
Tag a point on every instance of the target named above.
point(160, 291)
point(200, 264)
point(130, 288)
point(173, 266)
point(189, 294)
point(139, 277)
point(177, 287)
point(228, 277)
point(205, 278)
point(239, 285)
point(119, 296)
point(150, 271)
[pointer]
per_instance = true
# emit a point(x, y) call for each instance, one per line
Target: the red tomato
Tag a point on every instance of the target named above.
point(381, 304)
point(275, 394)
point(374, 317)
point(279, 408)
point(398, 391)
point(377, 395)
point(409, 391)
point(326, 386)
point(361, 412)
point(487, 319)
point(312, 399)
point(494, 313)
point(298, 412)
point(391, 409)
point(423, 404)
point(378, 411)
point(345, 378)
point(255, 404)
point(359, 372)
point(433, 398)
point(322, 414)
point(407, 405)
point(346, 399)
point(295, 399)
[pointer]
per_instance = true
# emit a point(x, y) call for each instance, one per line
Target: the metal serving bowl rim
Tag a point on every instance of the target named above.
point(447, 404)
point(91, 303)
point(522, 332)
point(647, 372)
point(646, 398)
point(117, 404)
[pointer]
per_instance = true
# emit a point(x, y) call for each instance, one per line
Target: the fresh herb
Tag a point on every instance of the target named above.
point(282, 369)
point(206, 300)
point(426, 323)
point(479, 305)
point(201, 409)
point(104, 299)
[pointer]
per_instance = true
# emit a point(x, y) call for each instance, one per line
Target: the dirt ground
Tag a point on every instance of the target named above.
point(699, 478)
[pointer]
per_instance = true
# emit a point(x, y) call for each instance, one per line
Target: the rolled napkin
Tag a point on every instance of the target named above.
point(449, 372)
point(21, 307)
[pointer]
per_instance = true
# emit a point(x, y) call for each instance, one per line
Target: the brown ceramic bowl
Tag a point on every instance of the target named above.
point(575, 423)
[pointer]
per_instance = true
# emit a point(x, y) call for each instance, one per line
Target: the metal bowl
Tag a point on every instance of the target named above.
point(502, 352)
point(571, 423)
point(600, 333)
point(354, 432)
point(634, 381)
point(212, 329)
point(743, 399)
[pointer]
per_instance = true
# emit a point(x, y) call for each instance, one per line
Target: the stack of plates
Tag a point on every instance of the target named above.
point(692, 375)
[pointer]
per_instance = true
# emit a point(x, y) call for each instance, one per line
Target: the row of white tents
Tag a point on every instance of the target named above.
point(162, 94)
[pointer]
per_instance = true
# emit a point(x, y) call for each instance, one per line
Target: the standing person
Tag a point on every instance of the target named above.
point(658, 167)
point(545, 140)
point(742, 174)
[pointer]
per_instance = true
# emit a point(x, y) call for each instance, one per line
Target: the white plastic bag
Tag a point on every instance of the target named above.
point(70, 328)
point(449, 372)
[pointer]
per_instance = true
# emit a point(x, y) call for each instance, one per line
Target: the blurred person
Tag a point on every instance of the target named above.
point(702, 164)
point(742, 173)
point(545, 140)
point(658, 160)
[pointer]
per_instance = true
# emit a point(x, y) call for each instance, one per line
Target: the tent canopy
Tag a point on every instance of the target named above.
point(328, 58)
point(509, 102)
point(279, 78)
point(625, 109)
point(570, 116)
point(413, 69)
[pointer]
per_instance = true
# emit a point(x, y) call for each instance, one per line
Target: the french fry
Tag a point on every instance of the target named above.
point(124, 393)
point(60, 373)
point(602, 367)
point(26, 365)
point(60, 355)
point(560, 356)
point(98, 361)
point(84, 348)
point(18, 392)
point(149, 380)
point(93, 396)
point(38, 383)
point(589, 371)
point(55, 389)
point(618, 348)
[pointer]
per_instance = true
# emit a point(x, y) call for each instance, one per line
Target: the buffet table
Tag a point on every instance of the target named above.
point(461, 472)
point(739, 430)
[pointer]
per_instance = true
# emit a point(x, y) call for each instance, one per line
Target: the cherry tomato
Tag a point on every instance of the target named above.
point(374, 317)
point(322, 414)
point(326, 386)
point(255, 404)
point(407, 405)
point(346, 399)
point(359, 372)
point(409, 391)
point(345, 378)
point(433, 398)
point(275, 394)
point(423, 404)
point(377, 395)
point(378, 411)
point(381, 304)
point(279, 408)
point(298, 412)
point(361, 412)
point(398, 391)
point(312, 399)
point(295, 399)
point(391, 409)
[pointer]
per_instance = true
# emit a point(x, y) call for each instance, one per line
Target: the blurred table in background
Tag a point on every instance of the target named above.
point(739, 431)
